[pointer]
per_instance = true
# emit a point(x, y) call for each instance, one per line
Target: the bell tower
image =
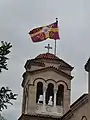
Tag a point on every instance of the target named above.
point(46, 86)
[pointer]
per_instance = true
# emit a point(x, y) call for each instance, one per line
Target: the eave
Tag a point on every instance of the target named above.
point(46, 69)
point(38, 116)
point(87, 65)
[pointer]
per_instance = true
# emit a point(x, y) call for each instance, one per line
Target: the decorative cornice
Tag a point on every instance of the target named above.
point(38, 63)
point(47, 56)
point(54, 69)
point(33, 62)
point(46, 69)
point(60, 61)
point(39, 116)
point(63, 67)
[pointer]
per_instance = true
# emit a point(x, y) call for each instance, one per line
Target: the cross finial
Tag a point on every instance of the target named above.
point(48, 47)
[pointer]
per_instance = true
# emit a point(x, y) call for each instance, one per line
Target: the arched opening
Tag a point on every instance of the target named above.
point(50, 94)
point(84, 118)
point(39, 94)
point(60, 95)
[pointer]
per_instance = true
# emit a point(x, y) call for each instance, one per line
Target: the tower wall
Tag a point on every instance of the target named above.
point(46, 86)
point(46, 78)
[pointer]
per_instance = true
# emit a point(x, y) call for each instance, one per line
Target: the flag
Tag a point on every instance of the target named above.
point(42, 33)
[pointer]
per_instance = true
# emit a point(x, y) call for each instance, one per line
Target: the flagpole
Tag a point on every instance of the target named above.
point(55, 48)
point(55, 40)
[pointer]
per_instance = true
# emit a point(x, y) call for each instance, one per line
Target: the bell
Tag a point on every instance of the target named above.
point(50, 102)
point(40, 100)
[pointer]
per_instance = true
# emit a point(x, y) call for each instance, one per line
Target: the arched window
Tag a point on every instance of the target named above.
point(84, 118)
point(60, 95)
point(50, 94)
point(39, 94)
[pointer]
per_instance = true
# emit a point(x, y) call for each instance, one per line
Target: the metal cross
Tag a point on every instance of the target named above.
point(48, 47)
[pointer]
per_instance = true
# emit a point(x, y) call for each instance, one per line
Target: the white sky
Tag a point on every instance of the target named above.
point(17, 17)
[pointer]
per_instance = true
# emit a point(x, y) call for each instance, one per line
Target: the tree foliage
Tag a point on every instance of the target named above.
point(4, 51)
point(1, 117)
point(6, 95)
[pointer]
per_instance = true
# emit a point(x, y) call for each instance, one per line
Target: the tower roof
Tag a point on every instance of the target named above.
point(50, 56)
point(47, 56)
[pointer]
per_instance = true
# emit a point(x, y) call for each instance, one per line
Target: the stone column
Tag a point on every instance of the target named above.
point(44, 100)
point(55, 92)
point(44, 96)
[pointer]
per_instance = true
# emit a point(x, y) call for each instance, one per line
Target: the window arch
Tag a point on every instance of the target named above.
point(60, 95)
point(50, 94)
point(39, 93)
point(84, 118)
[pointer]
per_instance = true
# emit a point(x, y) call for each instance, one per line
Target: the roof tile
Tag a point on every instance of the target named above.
point(47, 56)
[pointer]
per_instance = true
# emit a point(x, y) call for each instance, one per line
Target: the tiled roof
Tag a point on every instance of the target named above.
point(47, 56)
point(33, 62)
point(76, 105)
point(51, 56)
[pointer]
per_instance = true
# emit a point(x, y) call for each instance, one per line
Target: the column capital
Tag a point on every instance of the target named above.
point(55, 90)
point(44, 95)
point(44, 88)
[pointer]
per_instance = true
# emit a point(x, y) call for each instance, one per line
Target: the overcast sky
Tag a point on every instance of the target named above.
point(17, 17)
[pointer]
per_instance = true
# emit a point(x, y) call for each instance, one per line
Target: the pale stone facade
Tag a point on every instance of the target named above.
point(81, 113)
point(79, 110)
